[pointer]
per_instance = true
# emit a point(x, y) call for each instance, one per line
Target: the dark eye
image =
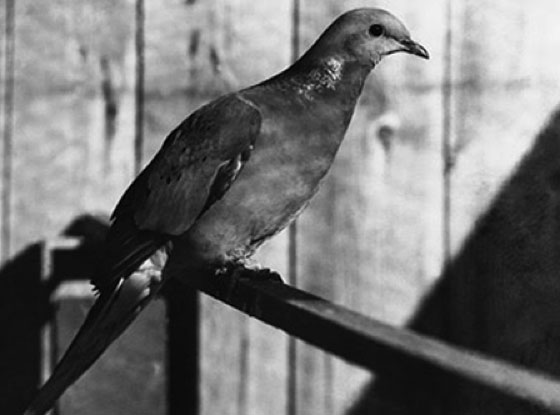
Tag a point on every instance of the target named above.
point(376, 30)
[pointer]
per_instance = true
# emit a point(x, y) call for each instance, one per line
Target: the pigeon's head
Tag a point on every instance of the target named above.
point(367, 35)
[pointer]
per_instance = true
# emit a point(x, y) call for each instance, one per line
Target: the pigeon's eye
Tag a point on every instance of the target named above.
point(376, 30)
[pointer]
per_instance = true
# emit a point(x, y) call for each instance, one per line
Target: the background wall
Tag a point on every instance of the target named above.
point(90, 89)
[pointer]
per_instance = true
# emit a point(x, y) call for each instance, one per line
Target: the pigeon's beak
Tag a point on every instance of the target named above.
point(414, 48)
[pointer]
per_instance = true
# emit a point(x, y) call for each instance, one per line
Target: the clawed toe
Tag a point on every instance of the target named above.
point(229, 277)
point(263, 274)
point(237, 271)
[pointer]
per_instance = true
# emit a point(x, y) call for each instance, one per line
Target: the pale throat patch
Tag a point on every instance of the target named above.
point(327, 76)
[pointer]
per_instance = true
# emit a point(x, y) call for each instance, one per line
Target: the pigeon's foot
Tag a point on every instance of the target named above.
point(239, 271)
point(230, 277)
point(261, 274)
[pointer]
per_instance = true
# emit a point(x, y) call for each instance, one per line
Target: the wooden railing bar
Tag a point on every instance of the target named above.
point(372, 344)
point(358, 339)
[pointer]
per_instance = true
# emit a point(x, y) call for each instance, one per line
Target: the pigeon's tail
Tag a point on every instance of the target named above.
point(112, 313)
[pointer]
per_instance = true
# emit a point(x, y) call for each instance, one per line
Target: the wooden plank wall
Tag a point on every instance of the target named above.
point(376, 236)
point(349, 251)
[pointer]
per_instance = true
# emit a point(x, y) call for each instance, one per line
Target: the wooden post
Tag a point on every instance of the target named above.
point(183, 351)
point(7, 79)
point(196, 51)
point(371, 238)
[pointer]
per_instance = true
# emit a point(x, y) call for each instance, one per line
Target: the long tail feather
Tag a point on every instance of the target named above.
point(108, 318)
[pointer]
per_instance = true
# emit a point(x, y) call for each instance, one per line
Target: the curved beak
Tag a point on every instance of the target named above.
point(414, 48)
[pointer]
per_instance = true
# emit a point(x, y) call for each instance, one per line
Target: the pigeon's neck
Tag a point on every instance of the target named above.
point(331, 79)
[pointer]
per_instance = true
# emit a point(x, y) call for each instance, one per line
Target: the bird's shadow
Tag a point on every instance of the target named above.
point(25, 307)
point(498, 295)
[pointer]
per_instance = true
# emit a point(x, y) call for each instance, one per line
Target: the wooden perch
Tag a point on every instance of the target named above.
point(372, 344)
point(366, 342)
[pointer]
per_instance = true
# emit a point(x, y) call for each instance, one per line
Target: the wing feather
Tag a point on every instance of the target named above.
point(195, 167)
point(175, 187)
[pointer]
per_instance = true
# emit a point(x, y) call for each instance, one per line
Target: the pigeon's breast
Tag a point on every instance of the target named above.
point(293, 152)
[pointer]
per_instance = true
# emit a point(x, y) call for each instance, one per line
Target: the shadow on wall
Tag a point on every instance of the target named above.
point(25, 308)
point(500, 295)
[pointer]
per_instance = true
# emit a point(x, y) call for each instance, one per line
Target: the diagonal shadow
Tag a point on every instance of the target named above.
point(500, 295)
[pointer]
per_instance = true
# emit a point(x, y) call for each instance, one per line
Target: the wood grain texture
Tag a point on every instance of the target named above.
point(371, 239)
point(505, 88)
point(3, 24)
point(7, 78)
point(73, 113)
point(502, 286)
point(130, 378)
point(498, 292)
point(73, 135)
point(384, 348)
point(196, 51)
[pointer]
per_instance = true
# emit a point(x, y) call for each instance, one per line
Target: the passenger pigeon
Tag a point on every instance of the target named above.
point(230, 176)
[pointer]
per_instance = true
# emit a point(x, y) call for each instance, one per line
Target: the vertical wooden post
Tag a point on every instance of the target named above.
point(194, 52)
point(447, 146)
point(22, 295)
point(7, 136)
point(139, 46)
point(182, 303)
point(292, 245)
point(183, 380)
point(371, 238)
point(48, 335)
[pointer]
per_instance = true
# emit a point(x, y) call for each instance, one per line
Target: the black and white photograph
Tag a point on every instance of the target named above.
point(288, 207)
